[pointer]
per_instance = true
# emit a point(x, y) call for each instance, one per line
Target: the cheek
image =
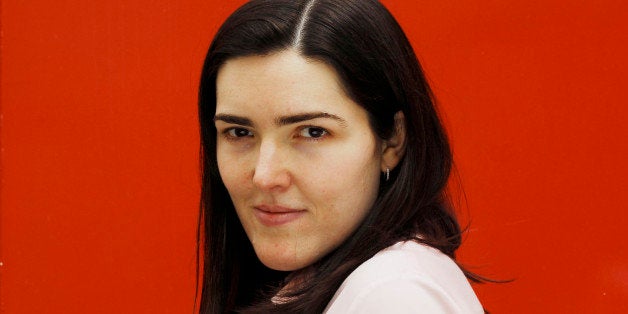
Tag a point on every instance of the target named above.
point(232, 171)
point(351, 178)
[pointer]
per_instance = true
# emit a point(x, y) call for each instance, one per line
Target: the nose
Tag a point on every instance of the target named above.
point(270, 173)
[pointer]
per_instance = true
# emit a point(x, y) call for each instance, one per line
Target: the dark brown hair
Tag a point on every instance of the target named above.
point(362, 41)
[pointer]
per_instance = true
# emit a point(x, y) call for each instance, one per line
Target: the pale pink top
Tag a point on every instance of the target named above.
point(407, 277)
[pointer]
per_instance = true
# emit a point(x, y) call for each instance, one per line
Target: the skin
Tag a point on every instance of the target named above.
point(297, 155)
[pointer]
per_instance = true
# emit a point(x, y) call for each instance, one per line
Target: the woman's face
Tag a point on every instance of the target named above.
point(296, 154)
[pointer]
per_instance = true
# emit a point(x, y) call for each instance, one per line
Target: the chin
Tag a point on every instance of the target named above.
point(283, 262)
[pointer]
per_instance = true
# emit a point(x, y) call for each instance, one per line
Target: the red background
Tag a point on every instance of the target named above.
point(99, 147)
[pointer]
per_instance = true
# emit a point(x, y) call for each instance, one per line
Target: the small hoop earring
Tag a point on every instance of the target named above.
point(387, 174)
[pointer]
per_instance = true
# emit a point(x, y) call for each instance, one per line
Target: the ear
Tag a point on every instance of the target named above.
point(395, 146)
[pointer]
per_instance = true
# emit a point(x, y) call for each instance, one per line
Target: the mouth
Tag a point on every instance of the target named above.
point(275, 215)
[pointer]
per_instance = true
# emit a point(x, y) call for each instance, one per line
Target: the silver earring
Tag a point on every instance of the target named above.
point(387, 174)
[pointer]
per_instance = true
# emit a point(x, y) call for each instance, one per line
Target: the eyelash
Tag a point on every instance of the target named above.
point(232, 133)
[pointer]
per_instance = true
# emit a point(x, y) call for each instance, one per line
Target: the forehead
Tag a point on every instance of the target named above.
point(283, 80)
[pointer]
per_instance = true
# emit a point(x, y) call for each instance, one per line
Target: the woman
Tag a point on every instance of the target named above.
point(324, 167)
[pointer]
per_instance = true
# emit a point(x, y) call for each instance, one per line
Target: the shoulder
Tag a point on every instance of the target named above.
point(405, 278)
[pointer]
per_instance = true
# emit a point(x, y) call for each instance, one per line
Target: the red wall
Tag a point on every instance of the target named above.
point(99, 182)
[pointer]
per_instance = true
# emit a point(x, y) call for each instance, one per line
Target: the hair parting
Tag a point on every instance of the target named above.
point(298, 34)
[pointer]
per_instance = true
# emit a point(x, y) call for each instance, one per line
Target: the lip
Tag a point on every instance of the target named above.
point(275, 215)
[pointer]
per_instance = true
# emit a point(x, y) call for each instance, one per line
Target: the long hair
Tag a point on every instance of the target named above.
point(378, 69)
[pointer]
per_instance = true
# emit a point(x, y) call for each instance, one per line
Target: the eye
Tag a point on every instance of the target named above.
point(236, 133)
point(313, 132)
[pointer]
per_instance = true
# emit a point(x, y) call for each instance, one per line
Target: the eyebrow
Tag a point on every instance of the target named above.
point(233, 119)
point(283, 120)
